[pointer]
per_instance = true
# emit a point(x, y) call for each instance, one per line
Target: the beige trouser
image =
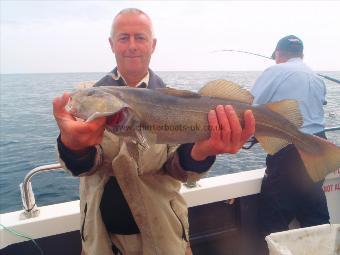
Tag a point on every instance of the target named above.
point(132, 244)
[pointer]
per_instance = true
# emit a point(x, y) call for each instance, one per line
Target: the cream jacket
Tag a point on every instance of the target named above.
point(150, 181)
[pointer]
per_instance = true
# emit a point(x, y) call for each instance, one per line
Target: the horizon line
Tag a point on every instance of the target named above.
point(154, 71)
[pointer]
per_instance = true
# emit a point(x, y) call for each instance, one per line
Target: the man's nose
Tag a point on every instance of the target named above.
point(132, 44)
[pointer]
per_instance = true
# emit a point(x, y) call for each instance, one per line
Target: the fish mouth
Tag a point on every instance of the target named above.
point(115, 119)
point(119, 121)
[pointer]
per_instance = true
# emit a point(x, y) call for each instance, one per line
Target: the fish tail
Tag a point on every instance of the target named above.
point(320, 156)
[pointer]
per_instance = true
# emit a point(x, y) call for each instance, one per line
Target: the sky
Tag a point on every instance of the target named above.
point(72, 36)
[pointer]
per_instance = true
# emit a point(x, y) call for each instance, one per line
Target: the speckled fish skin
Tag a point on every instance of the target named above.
point(175, 117)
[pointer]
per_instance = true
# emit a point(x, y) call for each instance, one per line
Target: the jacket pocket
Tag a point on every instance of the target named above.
point(182, 218)
point(82, 232)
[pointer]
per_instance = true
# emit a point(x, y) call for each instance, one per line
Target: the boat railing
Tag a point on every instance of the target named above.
point(31, 209)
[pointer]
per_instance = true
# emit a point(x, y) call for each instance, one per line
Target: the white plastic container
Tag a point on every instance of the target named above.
point(317, 240)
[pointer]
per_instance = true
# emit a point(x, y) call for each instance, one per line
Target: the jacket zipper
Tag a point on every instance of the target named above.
point(184, 237)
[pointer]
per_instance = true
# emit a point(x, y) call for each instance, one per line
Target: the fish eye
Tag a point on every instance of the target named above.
point(91, 92)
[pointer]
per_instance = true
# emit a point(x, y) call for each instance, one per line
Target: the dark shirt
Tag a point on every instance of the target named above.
point(115, 211)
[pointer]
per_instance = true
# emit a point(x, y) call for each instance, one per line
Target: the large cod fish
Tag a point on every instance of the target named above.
point(174, 116)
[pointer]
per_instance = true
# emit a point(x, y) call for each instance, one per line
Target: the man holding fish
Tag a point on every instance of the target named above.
point(129, 186)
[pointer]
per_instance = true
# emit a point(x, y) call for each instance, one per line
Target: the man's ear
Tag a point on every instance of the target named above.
point(111, 44)
point(154, 43)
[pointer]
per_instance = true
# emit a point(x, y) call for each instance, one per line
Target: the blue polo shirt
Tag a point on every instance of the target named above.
point(294, 80)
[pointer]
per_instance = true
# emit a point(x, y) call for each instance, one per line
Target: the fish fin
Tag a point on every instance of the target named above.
point(178, 92)
point(321, 157)
point(271, 144)
point(226, 90)
point(141, 140)
point(145, 137)
point(289, 109)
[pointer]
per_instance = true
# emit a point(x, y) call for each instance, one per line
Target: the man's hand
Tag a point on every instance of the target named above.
point(227, 135)
point(76, 135)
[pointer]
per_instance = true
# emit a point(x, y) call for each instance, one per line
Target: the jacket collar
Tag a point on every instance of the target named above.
point(143, 83)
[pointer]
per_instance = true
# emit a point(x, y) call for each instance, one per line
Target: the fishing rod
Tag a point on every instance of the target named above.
point(329, 78)
point(252, 140)
point(259, 55)
point(332, 129)
point(247, 52)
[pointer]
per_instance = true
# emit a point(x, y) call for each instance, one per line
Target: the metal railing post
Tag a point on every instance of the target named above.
point(27, 196)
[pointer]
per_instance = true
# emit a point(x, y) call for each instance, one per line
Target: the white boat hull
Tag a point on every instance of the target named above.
point(62, 218)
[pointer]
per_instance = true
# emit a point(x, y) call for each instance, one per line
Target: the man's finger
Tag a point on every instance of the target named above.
point(235, 126)
point(97, 124)
point(224, 125)
point(249, 126)
point(57, 106)
point(213, 124)
point(59, 103)
point(65, 98)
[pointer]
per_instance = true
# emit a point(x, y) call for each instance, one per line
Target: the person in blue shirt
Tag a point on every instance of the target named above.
point(287, 192)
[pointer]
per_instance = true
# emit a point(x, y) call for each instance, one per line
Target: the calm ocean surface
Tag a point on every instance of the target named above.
point(28, 130)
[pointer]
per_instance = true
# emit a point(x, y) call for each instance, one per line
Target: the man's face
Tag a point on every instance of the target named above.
point(132, 43)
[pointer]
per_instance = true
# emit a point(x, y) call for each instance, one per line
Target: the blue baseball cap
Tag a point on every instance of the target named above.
point(289, 43)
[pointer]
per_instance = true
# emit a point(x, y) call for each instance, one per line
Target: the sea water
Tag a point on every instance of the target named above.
point(28, 131)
